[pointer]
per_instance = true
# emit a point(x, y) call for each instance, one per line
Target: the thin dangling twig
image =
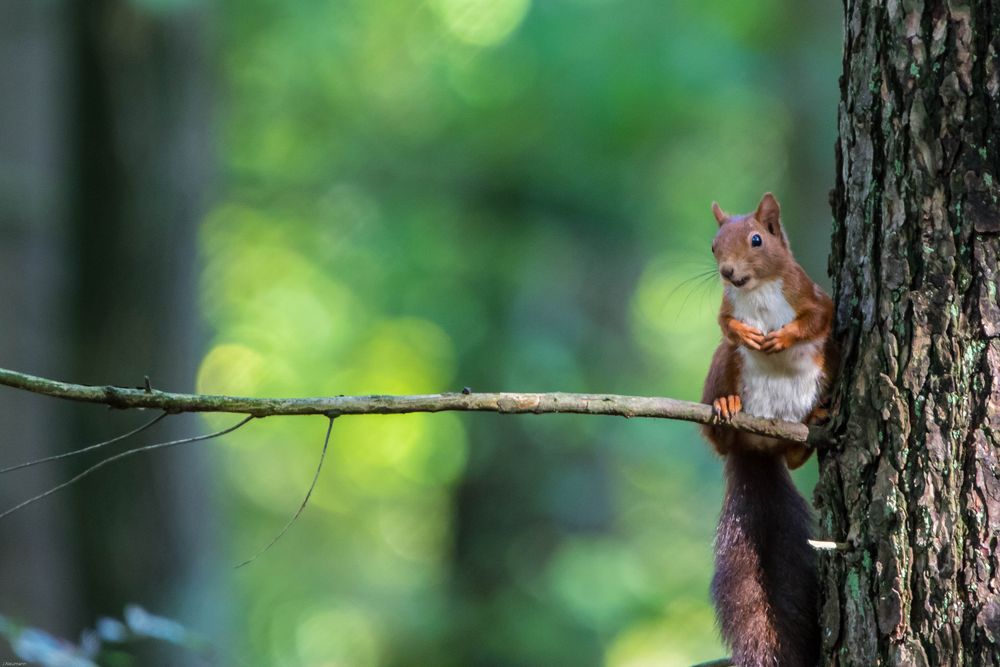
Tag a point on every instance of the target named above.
point(302, 506)
point(116, 457)
point(66, 455)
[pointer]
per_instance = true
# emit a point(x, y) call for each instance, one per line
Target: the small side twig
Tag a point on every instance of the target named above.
point(826, 545)
point(66, 455)
point(116, 457)
point(302, 506)
point(721, 662)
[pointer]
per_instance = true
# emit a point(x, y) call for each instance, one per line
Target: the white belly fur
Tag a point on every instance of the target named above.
point(776, 386)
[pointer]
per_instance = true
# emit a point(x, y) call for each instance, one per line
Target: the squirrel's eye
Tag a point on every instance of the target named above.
point(756, 241)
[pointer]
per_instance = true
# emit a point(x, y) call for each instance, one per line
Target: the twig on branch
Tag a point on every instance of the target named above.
point(721, 662)
point(334, 406)
point(826, 545)
point(121, 455)
point(305, 501)
point(75, 452)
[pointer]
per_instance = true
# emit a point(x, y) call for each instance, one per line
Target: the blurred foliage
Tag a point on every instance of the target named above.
point(108, 643)
point(507, 195)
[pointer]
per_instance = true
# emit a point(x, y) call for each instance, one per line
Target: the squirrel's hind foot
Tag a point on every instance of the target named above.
point(725, 408)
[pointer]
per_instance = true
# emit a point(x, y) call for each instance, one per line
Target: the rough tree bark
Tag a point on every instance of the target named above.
point(915, 486)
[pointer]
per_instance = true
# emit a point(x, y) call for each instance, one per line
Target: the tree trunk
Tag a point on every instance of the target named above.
point(38, 582)
point(105, 159)
point(145, 531)
point(914, 485)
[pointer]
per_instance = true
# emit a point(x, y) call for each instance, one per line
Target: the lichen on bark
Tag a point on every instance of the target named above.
point(915, 484)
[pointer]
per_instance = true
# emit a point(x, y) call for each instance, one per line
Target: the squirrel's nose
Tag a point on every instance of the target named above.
point(727, 272)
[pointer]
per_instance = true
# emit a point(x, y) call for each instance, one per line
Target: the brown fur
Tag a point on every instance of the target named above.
point(765, 581)
point(765, 586)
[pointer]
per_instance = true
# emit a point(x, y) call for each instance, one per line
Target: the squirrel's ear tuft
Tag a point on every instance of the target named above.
point(720, 215)
point(769, 214)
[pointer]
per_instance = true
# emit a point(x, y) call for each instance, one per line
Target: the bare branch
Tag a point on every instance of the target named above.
point(721, 662)
point(333, 406)
point(66, 455)
point(305, 501)
point(121, 455)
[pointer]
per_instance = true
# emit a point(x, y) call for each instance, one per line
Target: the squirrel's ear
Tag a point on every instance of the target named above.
point(769, 214)
point(720, 215)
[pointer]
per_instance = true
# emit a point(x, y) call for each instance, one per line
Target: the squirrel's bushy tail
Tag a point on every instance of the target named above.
point(765, 583)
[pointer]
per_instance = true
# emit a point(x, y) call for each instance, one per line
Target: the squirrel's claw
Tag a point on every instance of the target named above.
point(725, 408)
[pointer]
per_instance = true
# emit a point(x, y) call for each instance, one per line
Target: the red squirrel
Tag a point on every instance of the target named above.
point(774, 361)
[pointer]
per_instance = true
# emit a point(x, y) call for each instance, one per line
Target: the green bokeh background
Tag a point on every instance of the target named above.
point(505, 195)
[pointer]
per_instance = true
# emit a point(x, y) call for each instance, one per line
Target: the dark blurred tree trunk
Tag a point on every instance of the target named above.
point(38, 583)
point(104, 163)
point(915, 485)
point(143, 161)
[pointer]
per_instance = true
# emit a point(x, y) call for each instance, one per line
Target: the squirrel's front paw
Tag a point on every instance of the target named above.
point(725, 408)
point(780, 340)
point(748, 335)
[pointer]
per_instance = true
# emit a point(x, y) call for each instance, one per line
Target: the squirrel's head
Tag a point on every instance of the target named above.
point(752, 248)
